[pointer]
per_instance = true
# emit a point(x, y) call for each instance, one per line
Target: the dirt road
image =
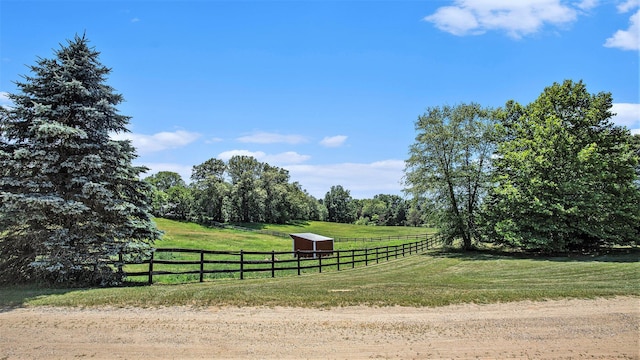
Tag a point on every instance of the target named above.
point(565, 329)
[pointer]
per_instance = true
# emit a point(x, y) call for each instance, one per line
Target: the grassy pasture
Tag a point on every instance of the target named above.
point(438, 277)
point(193, 236)
point(340, 231)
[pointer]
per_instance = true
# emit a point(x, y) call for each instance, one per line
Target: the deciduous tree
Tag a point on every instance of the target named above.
point(339, 203)
point(209, 190)
point(565, 175)
point(449, 164)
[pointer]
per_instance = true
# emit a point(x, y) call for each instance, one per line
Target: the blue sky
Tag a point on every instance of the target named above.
point(329, 90)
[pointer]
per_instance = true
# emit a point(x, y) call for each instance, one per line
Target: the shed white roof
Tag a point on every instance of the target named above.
point(311, 236)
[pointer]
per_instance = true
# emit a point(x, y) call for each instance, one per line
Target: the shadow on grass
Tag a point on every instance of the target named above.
point(17, 296)
point(263, 226)
point(617, 255)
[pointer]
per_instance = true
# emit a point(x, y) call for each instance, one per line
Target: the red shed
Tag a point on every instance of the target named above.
point(311, 242)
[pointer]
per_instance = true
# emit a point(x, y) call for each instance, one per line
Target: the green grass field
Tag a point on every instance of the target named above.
point(342, 231)
point(438, 277)
point(192, 236)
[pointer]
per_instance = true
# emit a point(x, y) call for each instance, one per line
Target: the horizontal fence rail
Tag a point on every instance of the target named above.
point(197, 264)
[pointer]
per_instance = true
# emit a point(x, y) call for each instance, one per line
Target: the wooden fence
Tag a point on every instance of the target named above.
point(198, 263)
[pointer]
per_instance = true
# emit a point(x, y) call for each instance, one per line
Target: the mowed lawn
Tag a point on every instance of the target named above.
point(342, 231)
point(435, 278)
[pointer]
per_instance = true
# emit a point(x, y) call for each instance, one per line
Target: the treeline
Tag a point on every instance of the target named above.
point(246, 190)
point(240, 190)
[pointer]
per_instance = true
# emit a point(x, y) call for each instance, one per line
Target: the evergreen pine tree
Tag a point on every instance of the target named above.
point(70, 198)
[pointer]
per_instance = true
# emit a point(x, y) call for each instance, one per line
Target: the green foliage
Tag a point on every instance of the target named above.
point(449, 166)
point(383, 209)
point(165, 180)
point(245, 190)
point(171, 198)
point(209, 191)
point(70, 200)
point(566, 177)
point(340, 205)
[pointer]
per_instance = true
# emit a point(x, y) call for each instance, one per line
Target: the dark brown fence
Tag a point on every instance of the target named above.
point(198, 263)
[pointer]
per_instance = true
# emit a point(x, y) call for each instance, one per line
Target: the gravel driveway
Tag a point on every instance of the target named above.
point(563, 329)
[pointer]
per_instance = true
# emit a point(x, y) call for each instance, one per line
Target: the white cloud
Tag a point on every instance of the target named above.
point(587, 4)
point(272, 138)
point(4, 100)
point(214, 140)
point(627, 114)
point(157, 142)
point(333, 141)
point(289, 157)
point(135, 20)
point(455, 20)
point(627, 39)
point(628, 5)
point(363, 180)
point(516, 18)
point(183, 170)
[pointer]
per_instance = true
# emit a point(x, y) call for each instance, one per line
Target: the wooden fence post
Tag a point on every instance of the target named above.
point(298, 257)
point(377, 255)
point(273, 263)
point(201, 265)
point(353, 258)
point(151, 269)
point(320, 262)
point(366, 256)
point(338, 259)
point(241, 264)
point(120, 263)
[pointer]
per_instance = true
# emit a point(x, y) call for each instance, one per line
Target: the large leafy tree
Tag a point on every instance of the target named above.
point(245, 201)
point(449, 166)
point(70, 199)
point(209, 191)
point(564, 174)
point(279, 204)
point(165, 180)
point(340, 205)
point(171, 196)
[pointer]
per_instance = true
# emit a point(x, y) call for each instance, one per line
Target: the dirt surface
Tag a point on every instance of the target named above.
point(565, 329)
